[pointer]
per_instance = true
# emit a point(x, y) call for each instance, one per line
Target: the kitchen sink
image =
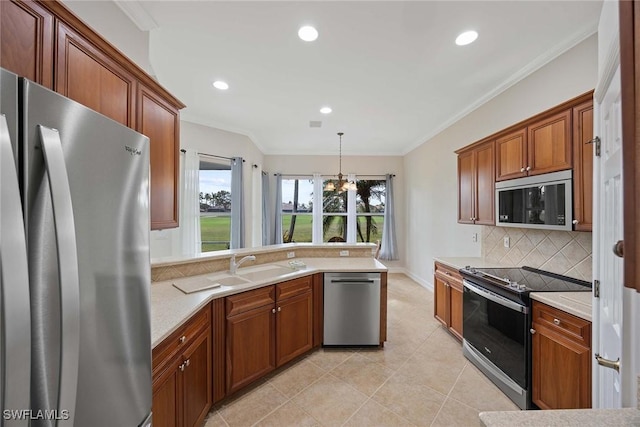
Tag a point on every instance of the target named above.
point(257, 274)
point(227, 280)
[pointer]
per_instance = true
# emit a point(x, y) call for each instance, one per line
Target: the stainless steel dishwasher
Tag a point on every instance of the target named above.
point(351, 309)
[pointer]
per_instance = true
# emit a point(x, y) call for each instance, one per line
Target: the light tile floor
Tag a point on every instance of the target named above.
point(420, 378)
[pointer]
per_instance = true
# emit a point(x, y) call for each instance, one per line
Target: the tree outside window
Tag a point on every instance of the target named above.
point(370, 204)
point(215, 205)
point(297, 210)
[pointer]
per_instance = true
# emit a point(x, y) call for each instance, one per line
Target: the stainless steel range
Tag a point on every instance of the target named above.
point(496, 322)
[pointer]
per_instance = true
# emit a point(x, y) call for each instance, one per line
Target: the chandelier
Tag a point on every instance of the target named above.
point(343, 184)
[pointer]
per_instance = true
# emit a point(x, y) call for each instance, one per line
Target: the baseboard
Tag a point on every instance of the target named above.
point(424, 283)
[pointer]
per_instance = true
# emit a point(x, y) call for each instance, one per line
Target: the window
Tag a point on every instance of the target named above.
point(334, 214)
point(370, 203)
point(297, 209)
point(215, 205)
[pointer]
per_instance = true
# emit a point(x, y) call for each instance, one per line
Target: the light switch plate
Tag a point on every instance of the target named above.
point(291, 254)
point(344, 253)
point(507, 241)
point(474, 237)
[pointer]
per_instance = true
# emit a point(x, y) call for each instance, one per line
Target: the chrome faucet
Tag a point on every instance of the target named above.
point(233, 266)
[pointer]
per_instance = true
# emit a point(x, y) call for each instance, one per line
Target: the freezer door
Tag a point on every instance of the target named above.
point(107, 170)
point(15, 328)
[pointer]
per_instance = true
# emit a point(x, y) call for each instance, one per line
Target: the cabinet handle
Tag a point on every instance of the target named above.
point(471, 219)
point(575, 222)
point(447, 273)
point(533, 331)
point(521, 169)
point(183, 339)
point(528, 168)
point(273, 310)
point(181, 367)
point(556, 321)
point(279, 308)
point(187, 362)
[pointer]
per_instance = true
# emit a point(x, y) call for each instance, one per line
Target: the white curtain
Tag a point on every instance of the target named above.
point(190, 204)
point(351, 211)
point(389, 246)
point(278, 212)
point(237, 204)
point(267, 235)
point(316, 233)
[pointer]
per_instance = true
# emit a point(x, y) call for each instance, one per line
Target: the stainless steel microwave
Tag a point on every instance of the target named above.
point(539, 201)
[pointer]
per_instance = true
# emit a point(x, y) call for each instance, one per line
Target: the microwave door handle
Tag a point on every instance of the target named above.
point(15, 325)
point(67, 269)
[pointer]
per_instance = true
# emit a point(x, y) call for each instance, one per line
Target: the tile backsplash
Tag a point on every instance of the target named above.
point(562, 252)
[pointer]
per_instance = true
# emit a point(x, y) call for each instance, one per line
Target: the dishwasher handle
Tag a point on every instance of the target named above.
point(353, 281)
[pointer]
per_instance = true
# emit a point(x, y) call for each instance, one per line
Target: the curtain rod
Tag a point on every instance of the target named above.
point(311, 176)
point(211, 155)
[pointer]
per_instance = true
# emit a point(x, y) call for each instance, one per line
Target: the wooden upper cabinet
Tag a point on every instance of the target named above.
point(160, 121)
point(511, 155)
point(476, 185)
point(550, 144)
point(88, 76)
point(466, 170)
point(26, 40)
point(583, 166)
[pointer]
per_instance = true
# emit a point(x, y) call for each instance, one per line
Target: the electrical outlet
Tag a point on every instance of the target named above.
point(344, 253)
point(474, 237)
point(291, 254)
point(507, 241)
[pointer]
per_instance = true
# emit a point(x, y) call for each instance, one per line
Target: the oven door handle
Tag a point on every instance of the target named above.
point(495, 298)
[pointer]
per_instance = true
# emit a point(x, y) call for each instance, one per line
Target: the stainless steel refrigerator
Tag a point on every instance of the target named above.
point(75, 337)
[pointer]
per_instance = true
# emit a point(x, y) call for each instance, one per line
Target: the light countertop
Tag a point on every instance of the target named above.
point(562, 417)
point(478, 262)
point(171, 307)
point(576, 303)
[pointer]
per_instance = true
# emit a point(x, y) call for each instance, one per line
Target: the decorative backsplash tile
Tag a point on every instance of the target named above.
point(562, 252)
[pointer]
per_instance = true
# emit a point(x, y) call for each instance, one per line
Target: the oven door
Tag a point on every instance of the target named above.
point(497, 328)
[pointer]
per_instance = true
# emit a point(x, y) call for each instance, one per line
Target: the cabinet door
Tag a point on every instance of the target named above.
point(88, 76)
point(167, 393)
point(550, 144)
point(583, 166)
point(511, 155)
point(455, 307)
point(485, 184)
point(294, 327)
point(441, 300)
point(160, 122)
point(561, 371)
point(250, 346)
point(466, 171)
point(26, 40)
point(197, 380)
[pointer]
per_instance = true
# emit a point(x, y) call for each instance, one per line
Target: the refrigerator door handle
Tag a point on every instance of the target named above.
point(15, 321)
point(64, 226)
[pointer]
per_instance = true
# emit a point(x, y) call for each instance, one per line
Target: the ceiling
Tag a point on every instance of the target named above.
point(390, 70)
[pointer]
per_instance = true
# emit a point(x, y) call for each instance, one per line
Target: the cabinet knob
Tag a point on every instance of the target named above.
point(521, 169)
point(533, 331)
point(556, 321)
point(471, 219)
point(279, 308)
point(528, 168)
point(187, 362)
point(182, 339)
point(273, 310)
point(181, 367)
point(575, 222)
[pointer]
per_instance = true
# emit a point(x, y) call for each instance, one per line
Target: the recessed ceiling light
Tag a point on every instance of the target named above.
point(219, 84)
point(308, 33)
point(326, 110)
point(466, 38)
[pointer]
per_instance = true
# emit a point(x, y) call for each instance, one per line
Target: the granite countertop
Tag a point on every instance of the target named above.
point(170, 307)
point(576, 303)
point(478, 262)
point(562, 417)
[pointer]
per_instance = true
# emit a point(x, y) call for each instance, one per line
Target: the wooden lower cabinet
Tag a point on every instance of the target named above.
point(448, 298)
point(561, 359)
point(267, 328)
point(182, 374)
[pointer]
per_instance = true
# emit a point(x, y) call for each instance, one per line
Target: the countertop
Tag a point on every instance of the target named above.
point(478, 262)
point(562, 417)
point(576, 303)
point(170, 307)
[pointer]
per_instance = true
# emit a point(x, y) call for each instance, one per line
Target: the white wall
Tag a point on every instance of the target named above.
point(430, 171)
point(110, 22)
point(359, 165)
point(204, 139)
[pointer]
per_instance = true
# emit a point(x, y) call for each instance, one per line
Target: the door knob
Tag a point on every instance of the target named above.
point(618, 248)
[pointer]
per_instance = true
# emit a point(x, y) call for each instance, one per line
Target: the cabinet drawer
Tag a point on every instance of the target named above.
point(565, 324)
point(293, 287)
point(448, 274)
point(236, 304)
point(182, 338)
